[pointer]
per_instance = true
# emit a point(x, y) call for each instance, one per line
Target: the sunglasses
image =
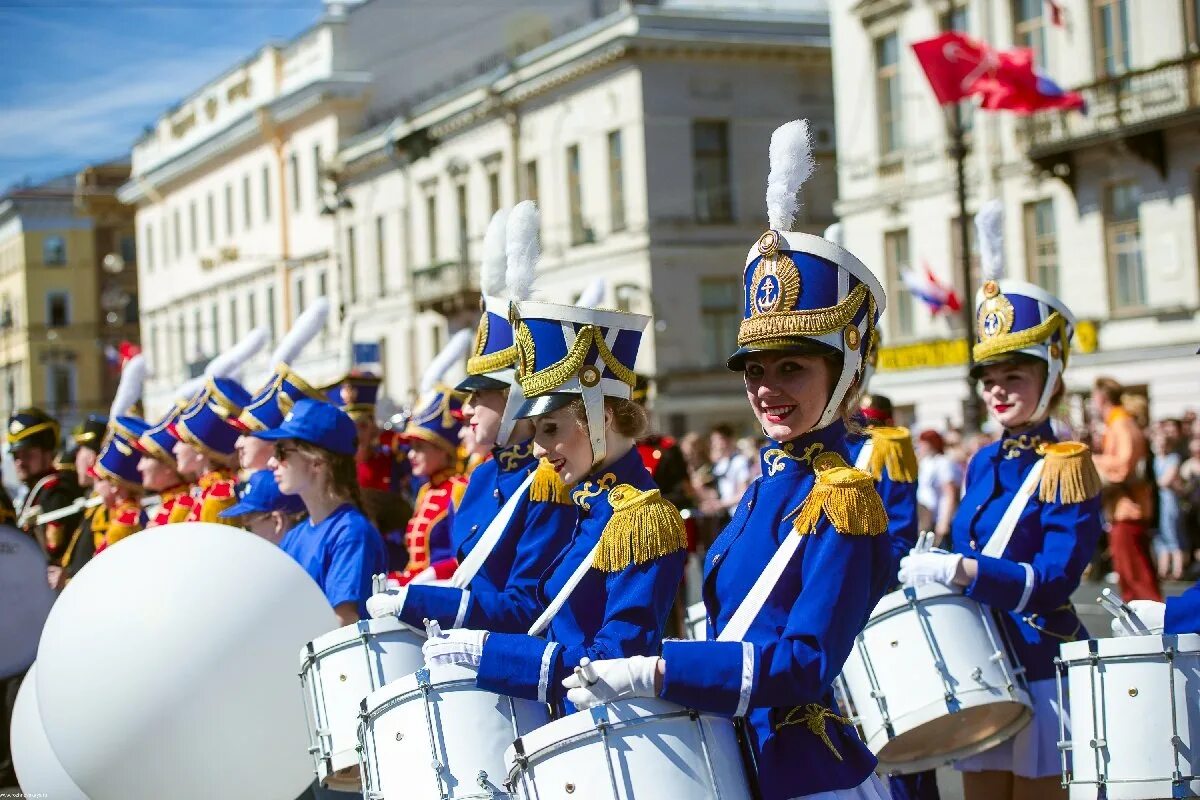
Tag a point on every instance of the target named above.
point(284, 452)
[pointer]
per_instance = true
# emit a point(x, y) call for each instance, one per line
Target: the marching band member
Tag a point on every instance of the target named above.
point(118, 481)
point(264, 510)
point(33, 441)
point(90, 533)
point(531, 504)
point(336, 545)
point(159, 469)
point(794, 576)
point(1029, 519)
point(432, 437)
point(608, 594)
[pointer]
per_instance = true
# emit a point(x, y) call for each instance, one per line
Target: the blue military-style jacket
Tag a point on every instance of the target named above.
point(609, 615)
point(899, 498)
point(503, 594)
point(1183, 612)
point(780, 676)
point(1030, 586)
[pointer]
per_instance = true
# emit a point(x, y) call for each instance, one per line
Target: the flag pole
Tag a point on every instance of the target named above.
point(958, 151)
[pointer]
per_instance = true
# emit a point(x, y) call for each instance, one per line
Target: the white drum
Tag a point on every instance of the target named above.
point(929, 681)
point(1134, 719)
point(697, 622)
point(25, 596)
point(629, 750)
point(337, 671)
point(435, 735)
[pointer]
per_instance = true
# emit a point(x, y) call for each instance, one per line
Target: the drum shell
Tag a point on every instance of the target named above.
point(927, 716)
point(1123, 721)
point(471, 729)
point(337, 671)
point(656, 750)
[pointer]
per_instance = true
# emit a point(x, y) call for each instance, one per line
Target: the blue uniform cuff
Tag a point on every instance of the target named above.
point(519, 665)
point(1183, 613)
point(1001, 583)
point(431, 602)
point(709, 676)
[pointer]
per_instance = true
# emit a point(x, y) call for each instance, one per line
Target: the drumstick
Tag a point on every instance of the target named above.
point(432, 628)
point(1118, 608)
point(587, 671)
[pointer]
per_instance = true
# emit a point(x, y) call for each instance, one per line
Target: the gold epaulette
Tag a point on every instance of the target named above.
point(644, 526)
point(846, 496)
point(1068, 474)
point(547, 486)
point(457, 490)
point(892, 449)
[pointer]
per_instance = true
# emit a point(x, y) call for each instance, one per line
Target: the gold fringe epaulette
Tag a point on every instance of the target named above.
point(644, 526)
point(846, 496)
point(892, 449)
point(547, 486)
point(1068, 474)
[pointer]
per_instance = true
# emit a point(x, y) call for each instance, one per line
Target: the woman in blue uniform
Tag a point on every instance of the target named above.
point(792, 579)
point(608, 594)
point(519, 518)
point(1029, 519)
point(336, 545)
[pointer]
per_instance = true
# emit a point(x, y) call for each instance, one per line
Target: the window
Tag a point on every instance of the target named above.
point(1112, 31)
point(148, 246)
point(132, 314)
point(178, 234)
point(299, 296)
point(247, 221)
point(210, 218)
point(531, 181)
point(163, 241)
point(1191, 10)
point(252, 311)
point(58, 309)
point(1041, 245)
point(197, 328)
point(579, 232)
point(720, 315)
point(317, 171)
point(712, 192)
point(1123, 237)
point(294, 168)
point(228, 210)
point(351, 264)
point(266, 190)
point(128, 249)
point(431, 222)
point(152, 338)
point(616, 181)
point(60, 386)
point(900, 305)
point(493, 183)
point(380, 255)
point(1029, 28)
point(54, 251)
point(271, 313)
point(460, 197)
point(215, 321)
point(193, 236)
point(322, 284)
point(887, 93)
point(234, 333)
point(179, 330)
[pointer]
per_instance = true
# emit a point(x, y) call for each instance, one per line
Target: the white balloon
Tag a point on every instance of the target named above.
point(25, 596)
point(168, 668)
point(38, 771)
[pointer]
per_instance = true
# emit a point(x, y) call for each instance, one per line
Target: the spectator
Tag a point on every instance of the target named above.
point(1189, 477)
point(1168, 544)
point(730, 468)
point(939, 482)
point(748, 447)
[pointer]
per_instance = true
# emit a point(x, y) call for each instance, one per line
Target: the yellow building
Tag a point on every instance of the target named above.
point(68, 293)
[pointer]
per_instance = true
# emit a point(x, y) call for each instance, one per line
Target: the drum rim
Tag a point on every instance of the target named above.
point(899, 600)
point(398, 696)
point(339, 638)
point(1080, 652)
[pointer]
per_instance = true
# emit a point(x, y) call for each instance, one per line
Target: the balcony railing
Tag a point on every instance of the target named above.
point(447, 287)
point(1121, 107)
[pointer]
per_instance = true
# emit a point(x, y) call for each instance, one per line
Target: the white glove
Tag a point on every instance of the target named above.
point(387, 604)
point(1152, 614)
point(461, 646)
point(934, 566)
point(427, 575)
point(616, 679)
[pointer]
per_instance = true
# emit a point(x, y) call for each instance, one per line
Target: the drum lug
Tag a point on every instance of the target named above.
point(1098, 743)
point(977, 675)
point(423, 680)
point(519, 752)
point(482, 779)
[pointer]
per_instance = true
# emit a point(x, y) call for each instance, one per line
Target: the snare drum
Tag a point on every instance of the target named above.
point(1134, 722)
point(929, 681)
point(628, 750)
point(337, 671)
point(435, 735)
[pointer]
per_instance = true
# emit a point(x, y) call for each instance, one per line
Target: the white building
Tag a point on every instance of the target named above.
point(643, 136)
point(1099, 208)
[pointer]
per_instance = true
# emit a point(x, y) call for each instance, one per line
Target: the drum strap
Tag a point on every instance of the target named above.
point(739, 623)
point(564, 594)
point(471, 565)
point(998, 542)
point(864, 455)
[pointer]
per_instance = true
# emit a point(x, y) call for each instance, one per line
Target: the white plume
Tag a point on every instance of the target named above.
point(453, 353)
point(229, 363)
point(989, 228)
point(303, 331)
point(835, 234)
point(129, 390)
point(791, 164)
point(522, 248)
point(593, 294)
point(495, 255)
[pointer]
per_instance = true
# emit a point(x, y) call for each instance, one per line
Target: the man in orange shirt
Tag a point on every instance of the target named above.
point(1121, 462)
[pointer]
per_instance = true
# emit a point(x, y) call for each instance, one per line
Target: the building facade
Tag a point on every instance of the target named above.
point(1099, 208)
point(68, 293)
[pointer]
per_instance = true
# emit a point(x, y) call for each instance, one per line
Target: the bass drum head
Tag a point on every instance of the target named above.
point(972, 730)
point(25, 597)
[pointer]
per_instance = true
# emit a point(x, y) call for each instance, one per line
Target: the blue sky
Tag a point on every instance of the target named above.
point(83, 78)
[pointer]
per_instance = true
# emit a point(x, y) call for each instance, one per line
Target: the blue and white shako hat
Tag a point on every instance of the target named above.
point(159, 439)
point(568, 352)
point(208, 423)
point(119, 455)
point(437, 415)
point(804, 293)
point(273, 401)
point(1015, 318)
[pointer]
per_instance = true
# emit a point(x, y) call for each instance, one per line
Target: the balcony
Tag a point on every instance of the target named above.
point(447, 288)
point(1132, 109)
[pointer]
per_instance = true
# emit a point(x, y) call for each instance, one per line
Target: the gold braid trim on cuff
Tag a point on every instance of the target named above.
point(775, 325)
point(1068, 474)
point(813, 716)
point(644, 526)
point(892, 449)
point(1012, 342)
point(555, 375)
point(846, 496)
point(547, 486)
point(492, 362)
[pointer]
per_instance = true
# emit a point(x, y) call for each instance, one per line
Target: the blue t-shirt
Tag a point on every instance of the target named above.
point(341, 554)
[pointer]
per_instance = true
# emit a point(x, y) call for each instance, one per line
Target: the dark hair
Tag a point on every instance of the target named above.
point(722, 429)
point(629, 418)
point(343, 471)
point(1109, 389)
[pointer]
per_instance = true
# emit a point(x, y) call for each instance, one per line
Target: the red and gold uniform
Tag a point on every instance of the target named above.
point(214, 491)
point(124, 519)
point(168, 501)
point(427, 535)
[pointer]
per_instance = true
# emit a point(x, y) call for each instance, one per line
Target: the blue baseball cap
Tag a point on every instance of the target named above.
point(260, 495)
point(318, 423)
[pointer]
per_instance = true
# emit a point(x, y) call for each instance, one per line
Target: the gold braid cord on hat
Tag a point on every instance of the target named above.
point(482, 363)
point(1011, 342)
point(777, 327)
point(557, 374)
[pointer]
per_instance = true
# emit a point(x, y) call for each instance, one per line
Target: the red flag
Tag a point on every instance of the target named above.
point(953, 63)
